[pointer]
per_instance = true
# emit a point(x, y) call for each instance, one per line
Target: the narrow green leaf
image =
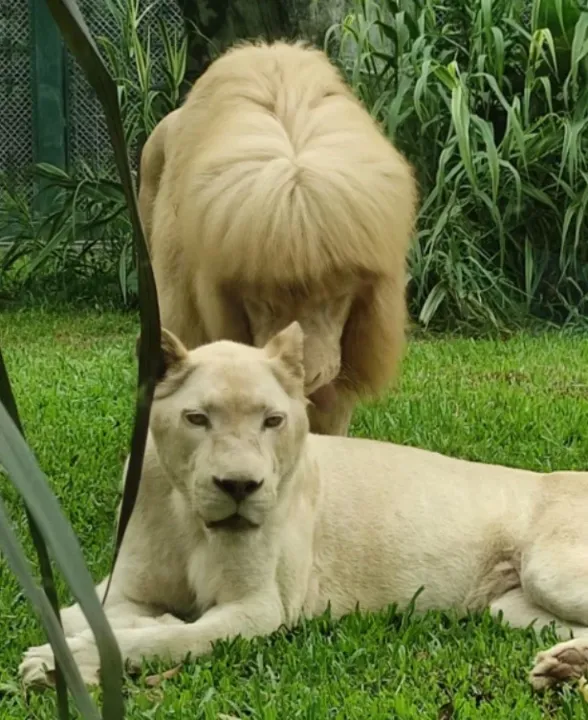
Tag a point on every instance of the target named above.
point(432, 304)
point(21, 465)
point(461, 120)
point(19, 565)
point(47, 579)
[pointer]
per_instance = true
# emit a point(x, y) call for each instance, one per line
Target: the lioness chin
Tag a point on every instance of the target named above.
point(244, 522)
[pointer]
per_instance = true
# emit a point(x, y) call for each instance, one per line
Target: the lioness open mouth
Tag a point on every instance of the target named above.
point(232, 522)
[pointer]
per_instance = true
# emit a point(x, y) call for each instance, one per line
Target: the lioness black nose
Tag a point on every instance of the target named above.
point(237, 488)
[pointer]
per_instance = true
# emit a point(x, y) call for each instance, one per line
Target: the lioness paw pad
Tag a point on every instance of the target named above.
point(37, 669)
point(564, 661)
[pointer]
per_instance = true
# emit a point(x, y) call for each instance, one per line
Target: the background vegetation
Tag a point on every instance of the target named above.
point(82, 249)
point(488, 99)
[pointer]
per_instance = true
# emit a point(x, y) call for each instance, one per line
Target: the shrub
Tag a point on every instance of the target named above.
point(489, 100)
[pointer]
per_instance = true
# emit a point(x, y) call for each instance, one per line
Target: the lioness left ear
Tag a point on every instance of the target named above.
point(288, 347)
point(173, 352)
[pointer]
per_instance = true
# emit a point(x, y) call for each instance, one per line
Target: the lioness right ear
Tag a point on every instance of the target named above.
point(288, 347)
point(173, 352)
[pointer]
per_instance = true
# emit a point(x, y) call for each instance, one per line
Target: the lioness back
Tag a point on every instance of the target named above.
point(372, 489)
point(275, 140)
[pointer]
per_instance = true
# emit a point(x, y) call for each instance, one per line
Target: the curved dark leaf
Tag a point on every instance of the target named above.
point(19, 565)
point(26, 476)
point(78, 38)
point(48, 582)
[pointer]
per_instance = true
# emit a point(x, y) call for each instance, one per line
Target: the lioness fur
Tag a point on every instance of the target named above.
point(244, 522)
point(271, 195)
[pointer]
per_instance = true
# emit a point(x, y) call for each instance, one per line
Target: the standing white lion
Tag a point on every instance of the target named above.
point(270, 196)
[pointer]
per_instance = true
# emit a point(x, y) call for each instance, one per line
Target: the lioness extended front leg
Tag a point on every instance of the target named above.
point(122, 612)
point(258, 614)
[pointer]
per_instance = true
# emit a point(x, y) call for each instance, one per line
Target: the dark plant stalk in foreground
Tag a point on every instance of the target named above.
point(49, 527)
point(7, 399)
point(78, 38)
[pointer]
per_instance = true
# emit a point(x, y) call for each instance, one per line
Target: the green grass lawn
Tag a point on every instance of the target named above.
point(521, 402)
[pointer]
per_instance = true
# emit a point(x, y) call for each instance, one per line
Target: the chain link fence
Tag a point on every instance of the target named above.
point(86, 134)
point(16, 98)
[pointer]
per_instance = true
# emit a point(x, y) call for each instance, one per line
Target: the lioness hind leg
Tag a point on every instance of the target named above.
point(554, 585)
point(554, 575)
point(565, 661)
point(520, 612)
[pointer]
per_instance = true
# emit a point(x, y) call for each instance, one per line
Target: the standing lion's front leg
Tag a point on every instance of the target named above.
point(334, 416)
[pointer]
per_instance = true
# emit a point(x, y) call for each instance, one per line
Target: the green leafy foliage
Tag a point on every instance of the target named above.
point(489, 100)
point(83, 241)
point(143, 102)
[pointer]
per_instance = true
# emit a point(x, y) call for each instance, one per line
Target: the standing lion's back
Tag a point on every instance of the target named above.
point(275, 154)
point(283, 79)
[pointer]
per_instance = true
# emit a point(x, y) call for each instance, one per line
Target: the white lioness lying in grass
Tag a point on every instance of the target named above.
point(245, 522)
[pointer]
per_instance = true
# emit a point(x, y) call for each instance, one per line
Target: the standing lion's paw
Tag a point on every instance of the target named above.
point(564, 661)
point(37, 669)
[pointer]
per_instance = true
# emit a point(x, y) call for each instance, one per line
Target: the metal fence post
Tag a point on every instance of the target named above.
point(49, 106)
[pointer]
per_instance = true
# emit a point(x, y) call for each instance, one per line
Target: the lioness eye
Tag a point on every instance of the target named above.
point(198, 419)
point(273, 421)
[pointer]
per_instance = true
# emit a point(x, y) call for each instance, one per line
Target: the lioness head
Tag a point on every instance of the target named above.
point(228, 422)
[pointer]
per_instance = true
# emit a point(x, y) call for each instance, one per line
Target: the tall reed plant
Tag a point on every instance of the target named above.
point(489, 100)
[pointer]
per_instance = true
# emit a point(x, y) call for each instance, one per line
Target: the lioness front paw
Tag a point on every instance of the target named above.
point(37, 668)
point(565, 661)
